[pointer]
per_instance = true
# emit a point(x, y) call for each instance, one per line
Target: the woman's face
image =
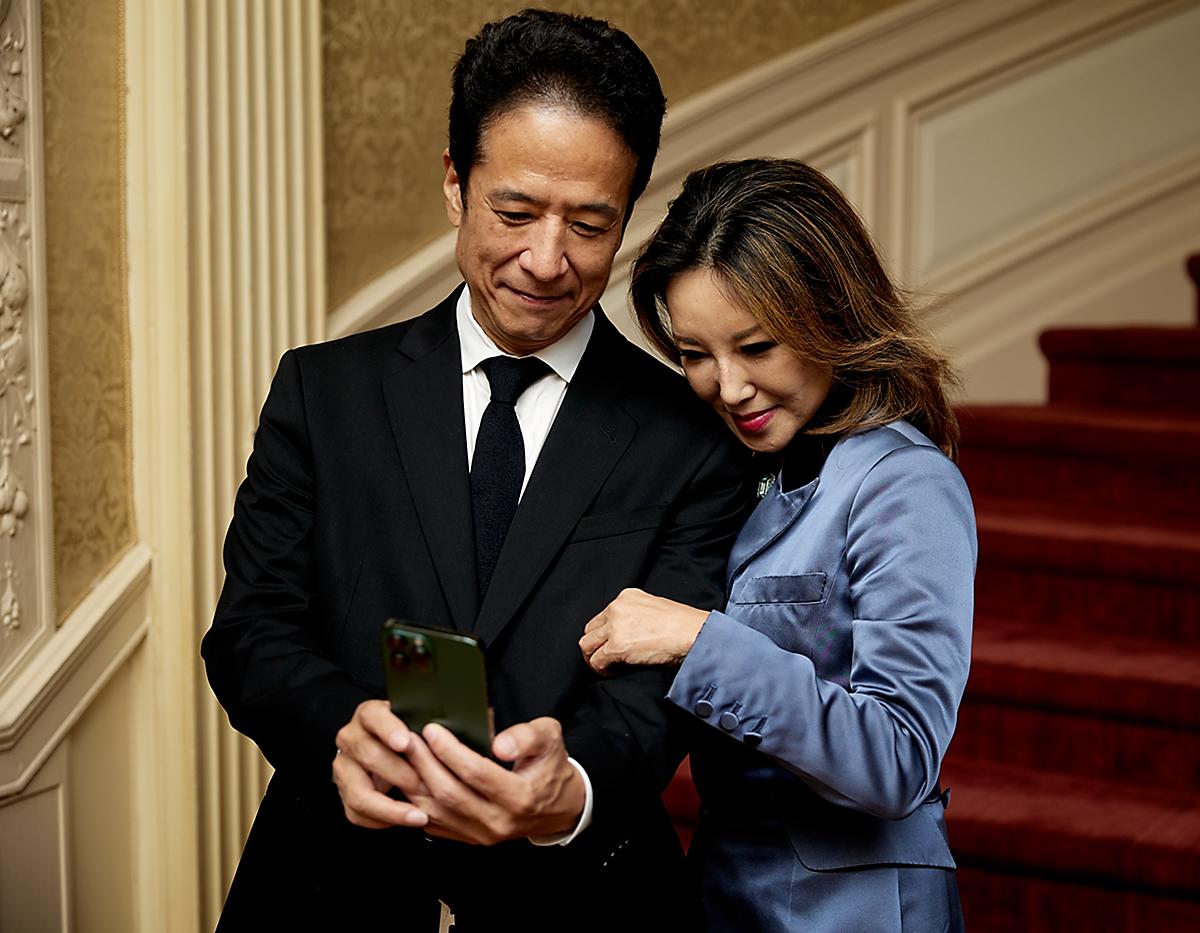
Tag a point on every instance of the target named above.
point(763, 390)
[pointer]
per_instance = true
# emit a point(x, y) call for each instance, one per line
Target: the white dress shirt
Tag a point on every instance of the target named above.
point(536, 410)
point(538, 405)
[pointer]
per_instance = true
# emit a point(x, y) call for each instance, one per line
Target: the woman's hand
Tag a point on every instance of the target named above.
point(637, 628)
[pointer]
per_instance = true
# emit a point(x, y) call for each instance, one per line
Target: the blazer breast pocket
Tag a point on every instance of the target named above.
point(611, 524)
point(793, 588)
point(783, 607)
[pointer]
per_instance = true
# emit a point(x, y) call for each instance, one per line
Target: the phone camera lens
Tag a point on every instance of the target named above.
point(408, 653)
point(401, 654)
point(422, 660)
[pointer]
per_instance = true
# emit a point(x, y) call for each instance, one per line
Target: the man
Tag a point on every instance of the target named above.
point(369, 495)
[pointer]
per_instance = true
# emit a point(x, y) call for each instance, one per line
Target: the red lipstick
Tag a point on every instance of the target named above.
point(753, 423)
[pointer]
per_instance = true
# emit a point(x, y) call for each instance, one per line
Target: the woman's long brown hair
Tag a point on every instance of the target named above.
point(789, 248)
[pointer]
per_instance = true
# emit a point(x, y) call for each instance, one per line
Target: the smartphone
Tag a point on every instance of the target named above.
point(438, 676)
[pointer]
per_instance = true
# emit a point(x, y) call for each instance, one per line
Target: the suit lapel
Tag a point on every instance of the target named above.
point(425, 407)
point(589, 435)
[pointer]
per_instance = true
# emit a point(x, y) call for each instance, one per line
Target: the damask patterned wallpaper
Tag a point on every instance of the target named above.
point(83, 89)
point(386, 88)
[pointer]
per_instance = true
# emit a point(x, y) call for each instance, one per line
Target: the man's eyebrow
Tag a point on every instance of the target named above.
point(604, 210)
point(512, 194)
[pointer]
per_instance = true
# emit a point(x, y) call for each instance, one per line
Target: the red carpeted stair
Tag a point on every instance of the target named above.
point(1075, 770)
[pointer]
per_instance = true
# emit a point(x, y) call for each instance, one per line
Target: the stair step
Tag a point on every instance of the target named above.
point(1128, 679)
point(1082, 574)
point(1140, 464)
point(1076, 744)
point(1074, 828)
point(1141, 368)
point(1108, 708)
point(999, 901)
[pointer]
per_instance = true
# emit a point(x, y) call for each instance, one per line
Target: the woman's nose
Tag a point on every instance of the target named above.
point(544, 257)
point(733, 385)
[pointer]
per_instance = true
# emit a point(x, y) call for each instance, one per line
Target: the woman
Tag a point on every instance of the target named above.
point(829, 685)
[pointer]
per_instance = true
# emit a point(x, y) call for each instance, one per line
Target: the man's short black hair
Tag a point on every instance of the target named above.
point(563, 60)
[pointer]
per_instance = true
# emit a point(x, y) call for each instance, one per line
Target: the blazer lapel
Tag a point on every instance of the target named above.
point(770, 519)
point(425, 405)
point(589, 435)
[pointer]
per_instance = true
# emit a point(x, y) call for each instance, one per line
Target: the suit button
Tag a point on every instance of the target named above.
point(703, 709)
point(753, 739)
point(728, 720)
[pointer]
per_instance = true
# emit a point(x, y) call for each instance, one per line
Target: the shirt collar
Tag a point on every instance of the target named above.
point(562, 356)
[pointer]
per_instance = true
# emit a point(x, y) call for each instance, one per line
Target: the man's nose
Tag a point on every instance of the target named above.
point(545, 257)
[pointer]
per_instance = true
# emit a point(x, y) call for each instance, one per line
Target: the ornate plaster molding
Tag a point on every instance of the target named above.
point(26, 590)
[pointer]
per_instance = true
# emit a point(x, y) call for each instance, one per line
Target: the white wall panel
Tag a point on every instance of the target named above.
point(998, 160)
point(33, 858)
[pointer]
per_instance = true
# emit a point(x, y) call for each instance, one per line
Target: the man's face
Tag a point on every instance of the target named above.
point(542, 222)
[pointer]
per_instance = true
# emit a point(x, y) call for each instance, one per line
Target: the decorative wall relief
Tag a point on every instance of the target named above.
point(13, 100)
point(16, 394)
point(24, 550)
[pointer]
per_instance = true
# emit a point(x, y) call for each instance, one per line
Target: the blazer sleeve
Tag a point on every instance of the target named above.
point(877, 744)
point(262, 653)
point(625, 734)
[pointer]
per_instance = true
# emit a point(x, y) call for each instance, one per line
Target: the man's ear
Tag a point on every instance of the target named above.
point(452, 189)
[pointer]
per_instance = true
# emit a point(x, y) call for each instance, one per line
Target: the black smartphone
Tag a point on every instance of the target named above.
point(438, 676)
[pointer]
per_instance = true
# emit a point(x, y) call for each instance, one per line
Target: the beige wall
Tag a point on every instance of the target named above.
point(100, 786)
point(386, 89)
point(83, 81)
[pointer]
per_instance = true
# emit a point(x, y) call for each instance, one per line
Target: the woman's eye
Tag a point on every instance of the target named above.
point(758, 349)
point(690, 356)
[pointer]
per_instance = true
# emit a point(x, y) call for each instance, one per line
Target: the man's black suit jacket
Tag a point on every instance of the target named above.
point(355, 508)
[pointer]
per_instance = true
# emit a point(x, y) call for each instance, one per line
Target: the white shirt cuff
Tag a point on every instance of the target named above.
point(585, 818)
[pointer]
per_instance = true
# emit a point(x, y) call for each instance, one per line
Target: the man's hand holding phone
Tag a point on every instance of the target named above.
point(473, 799)
point(370, 762)
point(450, 790)
point(450, 787)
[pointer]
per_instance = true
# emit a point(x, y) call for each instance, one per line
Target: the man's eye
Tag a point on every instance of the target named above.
point(513, 217)
point(588, 230)
point(759, 348)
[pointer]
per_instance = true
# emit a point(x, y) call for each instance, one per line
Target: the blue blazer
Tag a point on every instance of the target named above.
point(828, 690)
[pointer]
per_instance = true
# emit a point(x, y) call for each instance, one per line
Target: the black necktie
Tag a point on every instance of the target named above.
point(498, 466)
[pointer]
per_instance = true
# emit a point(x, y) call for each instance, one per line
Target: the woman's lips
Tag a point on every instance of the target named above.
point(754, 422)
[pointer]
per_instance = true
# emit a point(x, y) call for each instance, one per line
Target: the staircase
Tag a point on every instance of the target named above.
point(1075, 769)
